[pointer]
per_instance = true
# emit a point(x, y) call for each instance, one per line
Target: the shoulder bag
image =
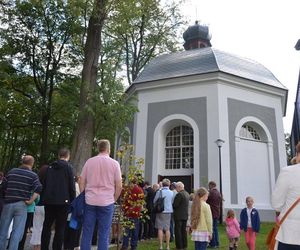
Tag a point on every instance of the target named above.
point(159, 204)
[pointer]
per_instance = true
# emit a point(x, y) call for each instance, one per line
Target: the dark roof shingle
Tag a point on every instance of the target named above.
point(202, 61)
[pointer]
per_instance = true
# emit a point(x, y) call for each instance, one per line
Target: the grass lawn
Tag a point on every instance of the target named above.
point(260, 240)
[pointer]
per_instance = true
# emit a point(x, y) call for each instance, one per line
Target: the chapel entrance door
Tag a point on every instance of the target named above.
point(187, 180)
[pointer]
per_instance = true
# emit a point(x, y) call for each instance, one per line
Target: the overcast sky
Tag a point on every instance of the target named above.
point(263, 30)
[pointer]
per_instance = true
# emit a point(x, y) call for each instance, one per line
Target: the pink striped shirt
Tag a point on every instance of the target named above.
point(100, 173)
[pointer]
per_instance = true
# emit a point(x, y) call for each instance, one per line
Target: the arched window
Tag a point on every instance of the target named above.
point(249, 132)
point(180, 148)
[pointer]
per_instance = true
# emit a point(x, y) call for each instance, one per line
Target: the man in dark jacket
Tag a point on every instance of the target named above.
point(58, 193)
point(148, 224)
point(181, 206)
point(214, 200)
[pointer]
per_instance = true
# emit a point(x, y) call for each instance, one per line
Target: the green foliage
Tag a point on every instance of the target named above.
point(39, 56)
point(112, 112)
point(41, 59)
point(37, 36)
point(131, 165)
point(20, 118)
point(142, 30)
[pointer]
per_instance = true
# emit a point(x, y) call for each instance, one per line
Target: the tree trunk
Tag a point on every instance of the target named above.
point(84, 133)
point(44, 143)
point(12, 150)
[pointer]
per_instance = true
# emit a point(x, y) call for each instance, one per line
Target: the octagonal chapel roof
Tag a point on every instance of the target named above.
point(203, 61)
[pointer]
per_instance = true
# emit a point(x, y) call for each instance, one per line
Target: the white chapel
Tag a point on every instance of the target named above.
point(190, 99)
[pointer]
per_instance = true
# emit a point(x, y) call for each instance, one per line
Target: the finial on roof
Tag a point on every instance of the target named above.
point(197, 36)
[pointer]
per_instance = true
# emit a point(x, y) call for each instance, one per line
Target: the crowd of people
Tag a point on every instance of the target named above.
point(99, 208)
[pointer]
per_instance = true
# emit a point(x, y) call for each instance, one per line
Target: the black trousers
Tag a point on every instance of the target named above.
point(72, 237)
point(57, 214)
point(180, 234)
point(283, 246)
point(148, 227)
point(153, 217)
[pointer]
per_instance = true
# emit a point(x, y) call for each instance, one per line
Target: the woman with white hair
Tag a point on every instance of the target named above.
point(162, 221)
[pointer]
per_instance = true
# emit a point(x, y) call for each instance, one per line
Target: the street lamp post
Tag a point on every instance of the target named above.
point(219, 143)
point(295, 135)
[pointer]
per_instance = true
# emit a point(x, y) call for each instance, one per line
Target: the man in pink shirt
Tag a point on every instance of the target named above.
point(102, 182)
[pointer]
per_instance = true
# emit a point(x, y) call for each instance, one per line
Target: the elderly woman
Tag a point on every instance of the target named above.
point(285, 193)
point(162, 221)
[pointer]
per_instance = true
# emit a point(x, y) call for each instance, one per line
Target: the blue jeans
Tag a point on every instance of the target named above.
point(133, 234)
point(104, 217)
point(215, 237)
point(283, 246)
point(200, 245)
point(16, 211)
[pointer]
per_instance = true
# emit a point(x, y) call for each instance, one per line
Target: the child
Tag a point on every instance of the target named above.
point(250, 223)
point(115, 227)
point(188, 223)
point(29, 221)
point(201, 220)
point(232, 229)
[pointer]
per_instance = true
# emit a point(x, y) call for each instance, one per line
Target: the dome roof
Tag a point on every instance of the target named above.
point(203, 61)
point(197, 31)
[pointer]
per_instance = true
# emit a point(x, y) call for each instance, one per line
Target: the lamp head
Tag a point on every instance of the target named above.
point(219, 142)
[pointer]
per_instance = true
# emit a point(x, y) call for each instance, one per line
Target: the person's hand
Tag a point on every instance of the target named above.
point(210, 237)
point(29, 202)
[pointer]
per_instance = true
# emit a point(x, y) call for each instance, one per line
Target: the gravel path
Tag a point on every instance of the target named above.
point(30, 247)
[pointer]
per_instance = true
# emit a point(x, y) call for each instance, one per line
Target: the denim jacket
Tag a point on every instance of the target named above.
point(77, 211)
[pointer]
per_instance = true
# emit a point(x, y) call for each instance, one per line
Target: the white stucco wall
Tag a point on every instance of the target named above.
point(255, 96)
point(217, 88)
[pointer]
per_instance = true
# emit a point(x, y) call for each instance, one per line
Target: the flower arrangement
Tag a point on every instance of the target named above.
point(132, 198)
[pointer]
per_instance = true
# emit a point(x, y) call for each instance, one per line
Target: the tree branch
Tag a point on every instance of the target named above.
point(21, 91)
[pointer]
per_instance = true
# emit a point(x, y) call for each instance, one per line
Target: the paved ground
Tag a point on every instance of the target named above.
point(30, 247)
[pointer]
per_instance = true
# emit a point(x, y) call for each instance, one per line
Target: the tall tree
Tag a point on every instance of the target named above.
point(84, 134)
point(36, 38)
point(132, 33)
point(20, 119)
point(42, 46)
